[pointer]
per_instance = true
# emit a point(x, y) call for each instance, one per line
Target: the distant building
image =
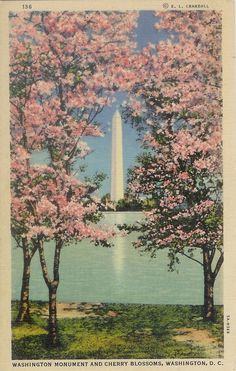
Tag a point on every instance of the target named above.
point(117, 171)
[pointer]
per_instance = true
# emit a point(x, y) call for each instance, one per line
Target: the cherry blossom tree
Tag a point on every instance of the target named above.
point(22, 78)
point(52, 205)
point(177, 106)
point(69, 64)
point(78, 60)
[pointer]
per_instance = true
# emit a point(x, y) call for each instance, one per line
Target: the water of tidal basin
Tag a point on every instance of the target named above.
point(117, 275)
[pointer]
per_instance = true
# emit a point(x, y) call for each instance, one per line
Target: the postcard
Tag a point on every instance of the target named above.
point(117, 185)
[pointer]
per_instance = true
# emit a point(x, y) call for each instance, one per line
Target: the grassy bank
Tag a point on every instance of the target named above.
point(121, 331)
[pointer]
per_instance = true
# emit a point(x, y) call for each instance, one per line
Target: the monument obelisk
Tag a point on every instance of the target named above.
point(117, 181)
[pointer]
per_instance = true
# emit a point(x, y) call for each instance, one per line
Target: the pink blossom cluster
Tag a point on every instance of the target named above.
point(178, 101)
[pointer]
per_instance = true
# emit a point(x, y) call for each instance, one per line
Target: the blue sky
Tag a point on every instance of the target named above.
point(100, 157)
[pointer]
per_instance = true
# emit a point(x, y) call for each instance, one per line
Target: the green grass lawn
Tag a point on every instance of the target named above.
point(137, 331)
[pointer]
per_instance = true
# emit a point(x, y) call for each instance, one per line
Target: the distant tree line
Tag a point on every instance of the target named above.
point(124, 204)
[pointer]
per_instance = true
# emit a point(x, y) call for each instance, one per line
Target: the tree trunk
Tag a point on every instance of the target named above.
point(24, 309)
point(209, 280)
point(52, 323)
point(53, 336)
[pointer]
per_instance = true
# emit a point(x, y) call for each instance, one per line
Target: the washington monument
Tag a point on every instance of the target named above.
point(117, 181)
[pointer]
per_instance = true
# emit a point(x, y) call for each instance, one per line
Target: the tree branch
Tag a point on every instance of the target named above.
point(218, 265)
point(33, 250)
point(191, 258)
point(212, 254)
point(43, 263)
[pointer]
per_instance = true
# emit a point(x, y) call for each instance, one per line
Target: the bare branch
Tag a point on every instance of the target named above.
point(43, 263)
point(218, 265)
point(212, 254)
point(191, 258)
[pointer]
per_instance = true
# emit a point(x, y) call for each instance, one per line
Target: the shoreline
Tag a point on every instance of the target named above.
point(98, 309)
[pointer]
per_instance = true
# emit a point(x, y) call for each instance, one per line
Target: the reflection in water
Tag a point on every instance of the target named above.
point(118, 255)
point(119, 250)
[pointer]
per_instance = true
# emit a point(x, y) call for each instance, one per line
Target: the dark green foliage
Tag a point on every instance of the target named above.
point(129, 205)
point(125, 204)
point(137, 331)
